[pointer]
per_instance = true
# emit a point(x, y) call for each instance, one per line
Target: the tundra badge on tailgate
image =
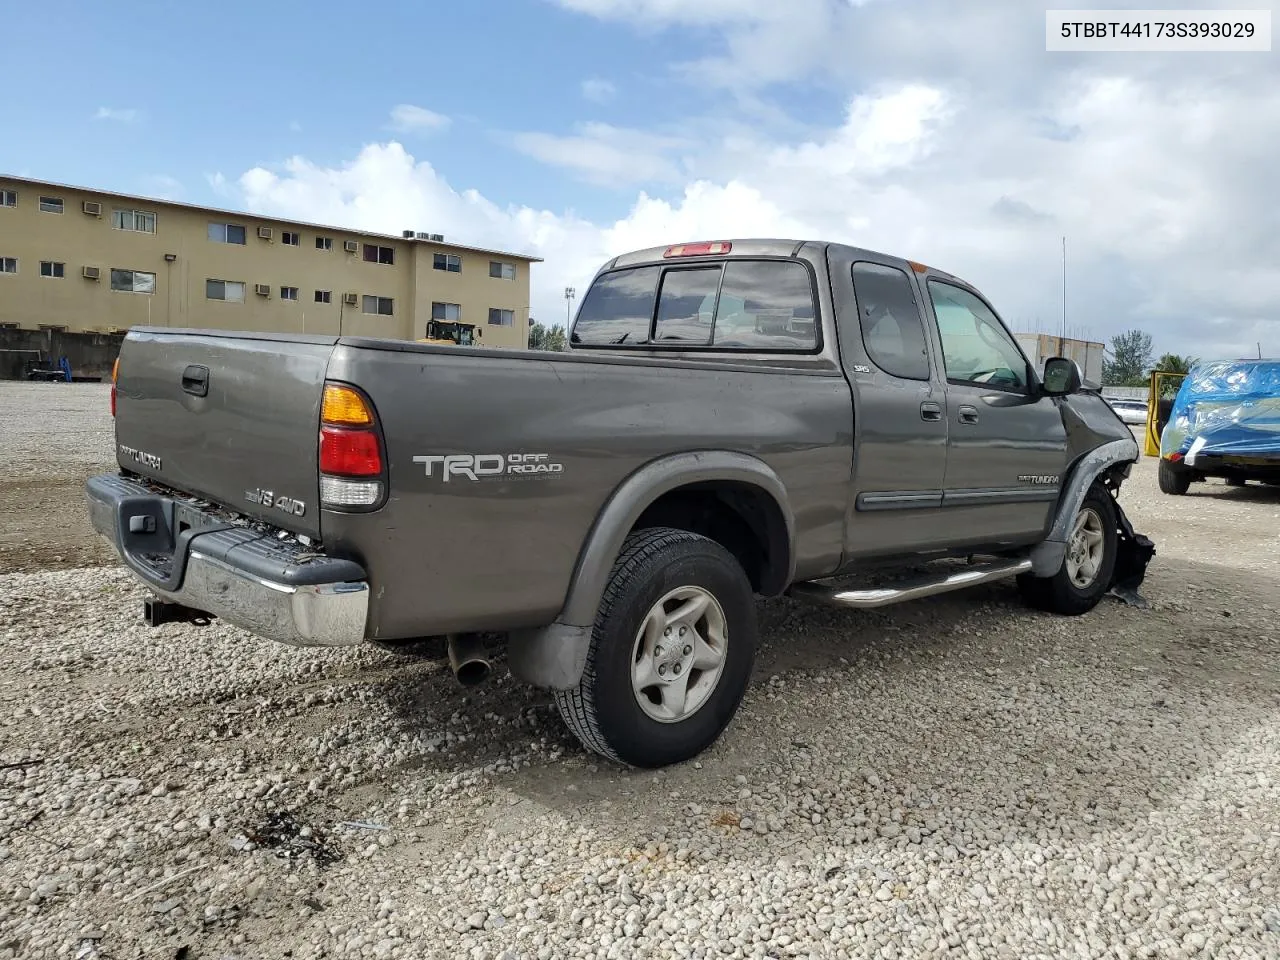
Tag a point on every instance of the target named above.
point(481, 466)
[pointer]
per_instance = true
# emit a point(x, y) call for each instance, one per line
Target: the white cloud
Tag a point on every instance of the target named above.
point(974, 151)
point(120, 115)
point(598, 90)
point(406, 118)
point(607, 155)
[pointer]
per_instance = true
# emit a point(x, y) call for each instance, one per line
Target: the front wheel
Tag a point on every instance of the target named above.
point(1087, 566)
point(671, 651)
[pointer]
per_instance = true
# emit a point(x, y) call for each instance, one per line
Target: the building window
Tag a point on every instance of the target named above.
point(226, 233)
point(447, 261)
point(54, 327)
point(51, 204)
point(8, 198)
point(446, 311)
point(501, 318)
point(137, 220)
point(502, 271)
point(8, 264)
point(229, 290)
point(288, 293)
point(133, 281)
point(291, 238)
point(324, 243)
point(376, 254)
point(324, 296)
point(52, 268)
point(377, 305)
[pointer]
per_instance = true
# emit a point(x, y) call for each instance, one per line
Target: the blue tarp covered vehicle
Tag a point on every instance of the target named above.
point(1225, 423)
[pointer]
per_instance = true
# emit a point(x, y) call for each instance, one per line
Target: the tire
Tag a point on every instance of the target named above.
point(1235, 481)
point(1175, 482)
point(1062, 593)
point(604, 711)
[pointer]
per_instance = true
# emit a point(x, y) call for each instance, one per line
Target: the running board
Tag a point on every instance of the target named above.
point(912, 589)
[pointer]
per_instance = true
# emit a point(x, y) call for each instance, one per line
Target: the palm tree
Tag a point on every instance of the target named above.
point(1174, 363)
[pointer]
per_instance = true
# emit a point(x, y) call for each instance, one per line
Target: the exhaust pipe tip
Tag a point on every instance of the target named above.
point(467, 660)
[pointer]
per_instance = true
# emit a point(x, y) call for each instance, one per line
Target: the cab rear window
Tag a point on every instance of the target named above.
point(759, 305)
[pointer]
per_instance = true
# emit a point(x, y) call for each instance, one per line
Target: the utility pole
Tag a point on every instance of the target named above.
point(569, 294)
point(1062, 342)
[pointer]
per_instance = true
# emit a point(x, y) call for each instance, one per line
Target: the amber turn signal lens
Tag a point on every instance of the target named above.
point(345, 407)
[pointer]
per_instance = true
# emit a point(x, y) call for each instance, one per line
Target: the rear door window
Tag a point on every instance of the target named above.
point(892, 330)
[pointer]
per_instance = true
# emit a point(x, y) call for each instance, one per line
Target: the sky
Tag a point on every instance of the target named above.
point(574, 130)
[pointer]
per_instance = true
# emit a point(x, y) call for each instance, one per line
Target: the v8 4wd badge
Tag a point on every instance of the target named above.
point(267, 498)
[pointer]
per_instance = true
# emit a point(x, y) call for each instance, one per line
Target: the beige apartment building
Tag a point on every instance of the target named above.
point(78, 259)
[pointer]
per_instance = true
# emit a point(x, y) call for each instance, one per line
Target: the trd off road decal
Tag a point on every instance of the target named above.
point(488, 466)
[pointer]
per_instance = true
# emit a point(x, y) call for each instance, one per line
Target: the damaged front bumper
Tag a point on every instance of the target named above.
point(190, 557)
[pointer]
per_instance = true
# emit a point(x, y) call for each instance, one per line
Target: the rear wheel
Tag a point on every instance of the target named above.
point(1172, 481)
point(1090, 559)
point(670, 654)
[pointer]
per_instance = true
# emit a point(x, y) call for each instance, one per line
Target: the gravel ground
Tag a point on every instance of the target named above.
point(957, 777)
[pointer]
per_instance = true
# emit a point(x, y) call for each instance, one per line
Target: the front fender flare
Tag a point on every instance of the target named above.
point(1046, 556)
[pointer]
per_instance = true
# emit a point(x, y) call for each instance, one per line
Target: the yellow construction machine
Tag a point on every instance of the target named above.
point(1161, 390)
point(453, 334)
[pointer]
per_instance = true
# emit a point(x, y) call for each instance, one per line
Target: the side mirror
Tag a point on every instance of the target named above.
point(1061, 377)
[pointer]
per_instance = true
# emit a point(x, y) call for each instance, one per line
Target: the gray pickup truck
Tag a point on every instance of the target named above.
point(729, 420)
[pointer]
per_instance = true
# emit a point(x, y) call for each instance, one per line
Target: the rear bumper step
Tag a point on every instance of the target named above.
point(914, 589)
point(191, 559)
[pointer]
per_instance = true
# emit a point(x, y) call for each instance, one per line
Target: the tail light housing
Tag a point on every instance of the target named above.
point(353, 463)
point(115, 373)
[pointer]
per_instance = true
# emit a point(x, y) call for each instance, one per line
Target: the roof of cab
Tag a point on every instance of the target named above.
point(764, 247)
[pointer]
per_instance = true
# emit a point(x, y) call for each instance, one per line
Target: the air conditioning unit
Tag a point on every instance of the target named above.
point(262, 289)
point(91, 273)
point(424, 236)
point(351, 299)
point(407, 234)
point(437, 236)
point(350, 246)
point(264, 233)
point(92, 207)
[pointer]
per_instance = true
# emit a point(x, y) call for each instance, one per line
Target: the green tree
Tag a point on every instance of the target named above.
point(1174, 363)
point(545, 338)
point(1130, 360)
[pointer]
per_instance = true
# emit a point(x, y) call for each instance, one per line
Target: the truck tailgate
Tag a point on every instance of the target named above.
point(233, 419)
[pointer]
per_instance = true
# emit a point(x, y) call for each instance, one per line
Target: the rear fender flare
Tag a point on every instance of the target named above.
point(554, 656)
point(636, 493)
point(1046, 556)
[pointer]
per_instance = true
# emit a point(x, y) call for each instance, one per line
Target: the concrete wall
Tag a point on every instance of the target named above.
point(182, 257)
point(90, 354)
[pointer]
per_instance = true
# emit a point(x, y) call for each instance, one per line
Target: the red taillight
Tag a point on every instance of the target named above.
point(706, 248)
point(1174, 457)
point(350, 453)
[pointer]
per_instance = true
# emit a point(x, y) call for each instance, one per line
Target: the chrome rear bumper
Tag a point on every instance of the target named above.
point(275, 590)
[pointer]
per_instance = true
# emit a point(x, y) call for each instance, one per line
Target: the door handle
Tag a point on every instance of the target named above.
point(968, 414)
point(930, 411)
point(195, 380)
